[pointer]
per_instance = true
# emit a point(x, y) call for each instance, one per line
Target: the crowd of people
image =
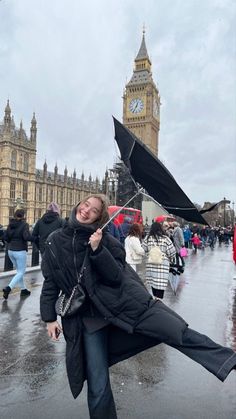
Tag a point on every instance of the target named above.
point(120, 316)
point(137, 240)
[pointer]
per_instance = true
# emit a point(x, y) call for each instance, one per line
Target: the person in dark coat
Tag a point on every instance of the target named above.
point(48, 223)
point(120, 318)
point(124, 229)
point(17, 235)
point(113, 230)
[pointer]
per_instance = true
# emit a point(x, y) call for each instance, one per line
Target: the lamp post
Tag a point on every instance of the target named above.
point(112, 186)
point(224, 209)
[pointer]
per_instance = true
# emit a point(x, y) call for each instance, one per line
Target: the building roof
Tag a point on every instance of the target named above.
point(142, 54)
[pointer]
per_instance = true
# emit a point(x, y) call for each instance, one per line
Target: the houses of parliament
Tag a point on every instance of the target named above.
point(23, 185)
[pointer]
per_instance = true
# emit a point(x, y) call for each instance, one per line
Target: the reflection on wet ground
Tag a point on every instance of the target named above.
point(159, 382)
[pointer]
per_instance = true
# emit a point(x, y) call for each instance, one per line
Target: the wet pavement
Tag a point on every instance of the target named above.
point(159, 383)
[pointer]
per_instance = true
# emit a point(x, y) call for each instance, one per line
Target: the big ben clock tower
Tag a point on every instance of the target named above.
point(141, 101)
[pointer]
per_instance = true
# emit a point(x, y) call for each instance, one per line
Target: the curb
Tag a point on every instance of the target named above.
point(13, 272)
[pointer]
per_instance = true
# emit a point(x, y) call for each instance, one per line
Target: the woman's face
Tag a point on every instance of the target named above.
point(89, 211)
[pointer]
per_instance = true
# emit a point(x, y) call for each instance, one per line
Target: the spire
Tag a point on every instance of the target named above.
point(21, 131)
point(65, 174)
point(142, 71)
point(45, 168)
point(12, 122)
point(143, 54)
point(33, 129)
point(7, 117)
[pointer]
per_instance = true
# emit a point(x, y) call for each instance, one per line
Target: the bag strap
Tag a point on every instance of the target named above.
point(80, 274)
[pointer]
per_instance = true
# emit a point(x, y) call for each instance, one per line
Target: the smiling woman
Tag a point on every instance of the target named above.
point(119, 317)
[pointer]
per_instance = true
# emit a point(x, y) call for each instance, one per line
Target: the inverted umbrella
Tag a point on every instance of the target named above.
point(155, 178)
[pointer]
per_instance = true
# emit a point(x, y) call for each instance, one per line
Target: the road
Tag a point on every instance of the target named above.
point(159, 383)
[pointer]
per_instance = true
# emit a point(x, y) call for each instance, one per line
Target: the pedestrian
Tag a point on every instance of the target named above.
point(49, 222)
point(124, 229)
point(178, 240)
point(119, 318)
point(196, 242)
point(113, 230)
point(17, 235)
point(157, 275)
point(187, 236)
point(2, 240)
point(211, 238)
point(133, 248)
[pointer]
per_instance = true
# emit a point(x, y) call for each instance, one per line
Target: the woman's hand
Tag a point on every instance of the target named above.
point(54, 329)
point(95, 239)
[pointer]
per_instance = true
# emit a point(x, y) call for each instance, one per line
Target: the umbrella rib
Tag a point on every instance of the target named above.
point(120, 209)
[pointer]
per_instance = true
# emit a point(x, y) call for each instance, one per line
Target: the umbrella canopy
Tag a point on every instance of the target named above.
point(152, 175)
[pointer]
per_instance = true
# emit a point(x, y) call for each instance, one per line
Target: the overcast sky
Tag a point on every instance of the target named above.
point(68, 61)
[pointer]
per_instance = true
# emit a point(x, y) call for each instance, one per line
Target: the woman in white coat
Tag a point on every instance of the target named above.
point(133, 248)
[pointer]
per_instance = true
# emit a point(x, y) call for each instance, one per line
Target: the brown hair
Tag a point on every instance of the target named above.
point(104, 216)
point(135, 230)
point(19, 214)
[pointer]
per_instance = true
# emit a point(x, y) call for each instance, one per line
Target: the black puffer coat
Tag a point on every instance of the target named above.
point(116, 291)
point(17, 235)
point(48, 223)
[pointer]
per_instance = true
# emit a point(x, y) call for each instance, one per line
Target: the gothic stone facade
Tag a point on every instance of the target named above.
point(24, 186)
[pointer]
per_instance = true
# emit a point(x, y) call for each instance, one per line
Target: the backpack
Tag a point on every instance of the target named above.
point(155, 256)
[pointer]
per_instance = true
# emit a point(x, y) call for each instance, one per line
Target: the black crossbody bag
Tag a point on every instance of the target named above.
point(69, 306)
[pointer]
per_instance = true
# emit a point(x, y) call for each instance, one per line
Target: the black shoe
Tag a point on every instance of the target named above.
point(25, 293)
point(6, 291)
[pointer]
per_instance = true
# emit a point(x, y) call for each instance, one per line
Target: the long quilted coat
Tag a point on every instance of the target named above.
point(116, 291)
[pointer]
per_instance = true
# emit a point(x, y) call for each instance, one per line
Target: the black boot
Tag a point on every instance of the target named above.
point(25, 293)
point(6, 291)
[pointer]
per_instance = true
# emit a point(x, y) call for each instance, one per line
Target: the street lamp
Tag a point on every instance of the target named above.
point(113, 181)
point(224, 210)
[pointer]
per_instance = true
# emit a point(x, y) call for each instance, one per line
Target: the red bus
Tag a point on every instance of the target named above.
point(134, 214)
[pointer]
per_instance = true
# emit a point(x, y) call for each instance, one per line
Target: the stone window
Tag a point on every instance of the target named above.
point(26, 163)
point(12, 190)
point(25, 191)
point(13, 159)
point(40, 190)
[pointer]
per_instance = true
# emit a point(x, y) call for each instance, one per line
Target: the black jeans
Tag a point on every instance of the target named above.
point(100, 398)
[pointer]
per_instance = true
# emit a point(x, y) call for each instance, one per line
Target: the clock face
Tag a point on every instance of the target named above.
point(136, 105)
point(156, 108)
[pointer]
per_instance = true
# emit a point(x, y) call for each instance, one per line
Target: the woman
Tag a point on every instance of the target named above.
point(120, 317)
point(133, 248)
point(157, 275)
point(17, 235)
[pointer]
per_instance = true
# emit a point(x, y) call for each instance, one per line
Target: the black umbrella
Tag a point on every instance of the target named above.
point(152, 175)
point(210, 208)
